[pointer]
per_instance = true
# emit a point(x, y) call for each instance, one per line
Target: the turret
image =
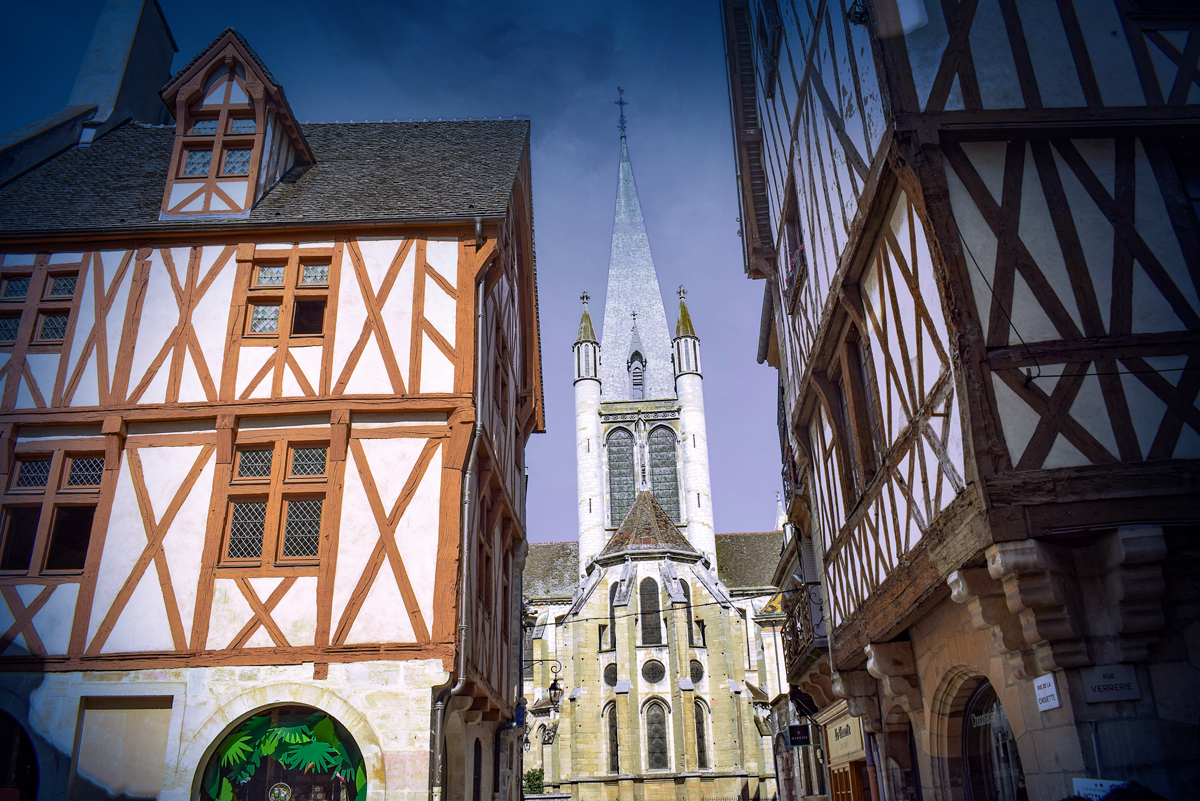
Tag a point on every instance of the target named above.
point(589, 468)
point(690, 391)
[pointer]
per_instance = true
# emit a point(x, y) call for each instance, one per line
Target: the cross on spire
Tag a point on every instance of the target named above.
point(682, 292)
point(634, 315)
point(585, 297)
point(622, 103)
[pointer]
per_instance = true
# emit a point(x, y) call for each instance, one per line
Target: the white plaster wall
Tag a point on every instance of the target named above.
point(160, 314)
point(384, 705)
point(442, 256)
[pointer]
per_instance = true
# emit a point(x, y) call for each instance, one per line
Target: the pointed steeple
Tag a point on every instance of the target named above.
point(635, 342)
point(586, 334)
point(683, 328)
point(633, 288)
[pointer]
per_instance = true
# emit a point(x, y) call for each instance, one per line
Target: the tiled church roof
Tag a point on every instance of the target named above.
point(365, 171)
point(646, 527)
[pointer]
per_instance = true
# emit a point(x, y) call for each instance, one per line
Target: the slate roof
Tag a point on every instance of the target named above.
point(551, 569)
point(646, 527)
point(369, 171)
point(748, 560)
point(204, 51)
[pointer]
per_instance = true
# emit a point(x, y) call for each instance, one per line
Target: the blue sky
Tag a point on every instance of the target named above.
point(559, 64)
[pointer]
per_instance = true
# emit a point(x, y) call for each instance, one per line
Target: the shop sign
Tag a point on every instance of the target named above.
point(1046, 691)
point(798, 735)
point(843, 737)
point(1094, 788)
point(1110, 683)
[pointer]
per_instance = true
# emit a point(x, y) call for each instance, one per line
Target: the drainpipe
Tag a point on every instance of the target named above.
point(443, 702)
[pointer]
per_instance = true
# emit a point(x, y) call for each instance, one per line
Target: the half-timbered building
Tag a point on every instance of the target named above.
point(977, 225)
point(266, 388)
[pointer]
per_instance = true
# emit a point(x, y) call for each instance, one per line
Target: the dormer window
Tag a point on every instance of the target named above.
point(235, 136)
point(637, 376)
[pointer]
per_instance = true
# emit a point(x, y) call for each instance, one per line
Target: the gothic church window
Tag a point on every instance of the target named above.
point(651, 613)
point(614, 756)
point(620, 474)
point(656, 737)
point(701, 741)
point(664, 477)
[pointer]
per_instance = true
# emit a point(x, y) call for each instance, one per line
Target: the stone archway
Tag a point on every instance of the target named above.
point(945, 731)
point(200, 748)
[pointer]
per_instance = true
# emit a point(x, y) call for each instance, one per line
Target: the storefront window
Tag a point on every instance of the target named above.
point(990, 750)
point(286, 754)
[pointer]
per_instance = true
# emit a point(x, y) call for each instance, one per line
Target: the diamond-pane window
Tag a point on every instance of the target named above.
point(54, 326)
point(308, 462)
point(303, 533)
point(63, 286)
point(241, 125)
point(269, 275)
point(237, 162)
point(254, 464)
point(246, 530)
point(8, 328)
point(34, 473)
point(16, 287)
point(265, 320)
point(197, 162)
point(204, 127)
point(86, 472)
point(315, 274)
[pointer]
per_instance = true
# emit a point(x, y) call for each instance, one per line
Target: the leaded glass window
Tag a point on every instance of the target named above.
point(16, 287)
point(63, 286)
point(614, 741)
point(264, 320)
point(656, 737)
point(237, 162)
point(664, 481)
point(204, 127)
point(255, 464)
point(620, 474)
point(651, 612)
point(246, 530)
point(610, 674)
point(701, 740)
point(653, 671)
point(269, 275)
point(8, 328)
point(697, 671)
point(33, 473)
point(241, 125)
point(86, 472)
point(303, 533)
point(314, 274)
point(308, 461)
point(54, 326)
point(197, 163)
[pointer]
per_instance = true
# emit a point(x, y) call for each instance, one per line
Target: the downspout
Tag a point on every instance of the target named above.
point(440, 708)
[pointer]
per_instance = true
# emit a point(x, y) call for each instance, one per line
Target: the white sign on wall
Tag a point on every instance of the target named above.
point(1046, 691)
point(1110, 683)
point(1094, 788)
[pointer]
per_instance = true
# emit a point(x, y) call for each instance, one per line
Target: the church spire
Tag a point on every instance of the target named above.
point(633, 288)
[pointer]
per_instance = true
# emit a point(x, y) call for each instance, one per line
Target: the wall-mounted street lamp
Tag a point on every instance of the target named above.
point(555, 689)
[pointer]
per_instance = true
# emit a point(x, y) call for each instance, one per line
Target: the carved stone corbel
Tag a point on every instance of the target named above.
point(893, 664)
point(987, 605)
point(861, 692)
point(818, 682)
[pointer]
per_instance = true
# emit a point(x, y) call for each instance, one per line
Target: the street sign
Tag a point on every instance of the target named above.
point(1110, 683)
point(798, 735)
point(1046, 692)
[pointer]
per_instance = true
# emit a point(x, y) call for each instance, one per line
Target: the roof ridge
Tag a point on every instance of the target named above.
point(202, 51)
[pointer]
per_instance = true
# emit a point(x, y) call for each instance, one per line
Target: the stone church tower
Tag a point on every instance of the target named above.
point(666, 663)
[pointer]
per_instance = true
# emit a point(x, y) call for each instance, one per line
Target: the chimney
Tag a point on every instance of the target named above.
point(126, 64)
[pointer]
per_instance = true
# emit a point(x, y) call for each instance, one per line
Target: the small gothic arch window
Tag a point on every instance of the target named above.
point(651, 612)
point(656, 737)
point(701, 738)
point(637, 377)
point(687, 600)
point(620, 474)
point(664, 476)
point(614, 740)
point(612, 614)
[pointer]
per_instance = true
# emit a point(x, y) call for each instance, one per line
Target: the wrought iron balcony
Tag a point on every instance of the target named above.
point(804, 634)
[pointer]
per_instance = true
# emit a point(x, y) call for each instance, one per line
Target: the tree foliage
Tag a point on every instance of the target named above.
point(534, 781)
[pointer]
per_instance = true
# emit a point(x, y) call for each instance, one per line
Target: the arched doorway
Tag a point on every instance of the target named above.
point(18, 762)
point(285, 753)
point(990, 759)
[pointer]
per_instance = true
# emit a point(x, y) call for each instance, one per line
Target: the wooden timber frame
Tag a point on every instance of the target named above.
point(499, 251)
point(1009, 496)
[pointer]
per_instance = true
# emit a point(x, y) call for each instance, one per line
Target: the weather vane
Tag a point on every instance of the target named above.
point(682, 292)
point(585, 297)
point(622, 103)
